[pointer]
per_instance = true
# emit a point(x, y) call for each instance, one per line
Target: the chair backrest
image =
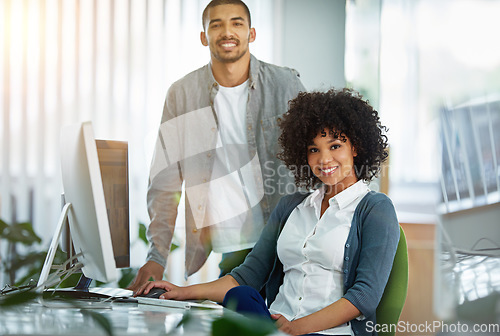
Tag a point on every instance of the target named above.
point(394, 297)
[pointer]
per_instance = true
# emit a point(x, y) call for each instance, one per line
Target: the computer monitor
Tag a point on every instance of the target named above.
point(85, 207)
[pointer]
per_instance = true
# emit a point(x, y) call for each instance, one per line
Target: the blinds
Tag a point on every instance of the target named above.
point(68, 61)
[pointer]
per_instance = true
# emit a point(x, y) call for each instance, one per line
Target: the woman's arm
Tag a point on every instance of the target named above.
point(367, 276)
point(214, 290)
point(339, 312)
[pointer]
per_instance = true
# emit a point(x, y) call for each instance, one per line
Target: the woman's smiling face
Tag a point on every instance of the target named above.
point(331, 158)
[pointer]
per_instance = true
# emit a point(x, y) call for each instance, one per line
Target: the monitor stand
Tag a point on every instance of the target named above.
point(82, 290)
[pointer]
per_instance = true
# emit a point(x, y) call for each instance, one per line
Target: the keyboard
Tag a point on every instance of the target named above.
point(178, 304)
point(91, 293)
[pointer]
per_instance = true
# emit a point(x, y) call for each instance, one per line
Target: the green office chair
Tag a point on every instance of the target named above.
point(392, 302)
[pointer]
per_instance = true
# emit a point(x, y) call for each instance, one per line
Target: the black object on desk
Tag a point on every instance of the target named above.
point(154, 293)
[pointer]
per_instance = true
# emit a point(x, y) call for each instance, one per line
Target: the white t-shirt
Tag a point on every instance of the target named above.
point(311, 250)
point(233, 194)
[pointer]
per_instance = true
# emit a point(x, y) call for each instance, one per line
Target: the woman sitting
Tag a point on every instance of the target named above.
point(325, 256)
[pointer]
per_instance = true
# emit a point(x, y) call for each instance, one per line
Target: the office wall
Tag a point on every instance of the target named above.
point(313, 41)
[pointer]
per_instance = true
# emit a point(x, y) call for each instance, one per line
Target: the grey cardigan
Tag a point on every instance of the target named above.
point(368, 254)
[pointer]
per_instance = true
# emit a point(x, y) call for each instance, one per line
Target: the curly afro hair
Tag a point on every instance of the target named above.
point(341, 111)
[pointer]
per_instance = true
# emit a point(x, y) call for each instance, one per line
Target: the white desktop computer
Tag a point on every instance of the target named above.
point(85, 209)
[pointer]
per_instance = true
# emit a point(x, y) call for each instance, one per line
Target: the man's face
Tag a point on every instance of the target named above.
point(227, 33)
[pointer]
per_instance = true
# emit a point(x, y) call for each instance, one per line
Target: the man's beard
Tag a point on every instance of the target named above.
point(221, 57)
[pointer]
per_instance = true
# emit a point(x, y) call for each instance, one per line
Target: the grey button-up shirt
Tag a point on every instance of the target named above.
point(185, 152)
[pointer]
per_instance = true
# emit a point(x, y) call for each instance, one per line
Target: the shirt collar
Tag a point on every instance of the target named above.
point(343, 198)
point(315, 197)
point(349, 195)
point(254, 72)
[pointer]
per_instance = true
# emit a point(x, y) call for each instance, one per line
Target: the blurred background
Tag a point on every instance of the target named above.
point(112, 61)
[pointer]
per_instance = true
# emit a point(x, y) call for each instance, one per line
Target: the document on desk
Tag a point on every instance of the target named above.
point(178, 304)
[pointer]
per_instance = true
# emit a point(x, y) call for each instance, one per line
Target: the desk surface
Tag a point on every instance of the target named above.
point(126, 319)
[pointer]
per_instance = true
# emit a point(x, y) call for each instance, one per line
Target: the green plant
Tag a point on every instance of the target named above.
point(24, 259)
point(20, 258)
point(235, 324)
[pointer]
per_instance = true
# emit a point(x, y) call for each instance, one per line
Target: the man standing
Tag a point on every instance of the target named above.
point(218, 137)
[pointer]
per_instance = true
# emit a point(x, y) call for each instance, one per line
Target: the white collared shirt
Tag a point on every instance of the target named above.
point(311, 249)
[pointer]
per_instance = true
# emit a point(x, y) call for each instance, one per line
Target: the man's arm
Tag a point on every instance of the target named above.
point(162, 199)
point(162, 207)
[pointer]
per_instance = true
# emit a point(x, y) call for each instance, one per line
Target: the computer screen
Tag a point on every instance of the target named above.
point(470, 154)
point(85, 206)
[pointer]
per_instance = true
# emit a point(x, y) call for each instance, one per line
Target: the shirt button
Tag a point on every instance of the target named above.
point(346, 258)
point(345, 271)
point(347, 245)
point(209, 155)
point(195, 230)
point(213, 129)
point(250, 127)
point(200, 207)
point(204, 180)
point(300, 298)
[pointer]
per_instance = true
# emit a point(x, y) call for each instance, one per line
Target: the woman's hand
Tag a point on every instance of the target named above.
point(172, 291)
point(284, 325)
point(339, 312)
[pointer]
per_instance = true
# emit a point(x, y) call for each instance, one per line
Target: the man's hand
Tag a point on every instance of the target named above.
point(150, 269)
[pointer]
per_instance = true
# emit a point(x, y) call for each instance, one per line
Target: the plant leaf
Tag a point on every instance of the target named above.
point(32, 264)
point(99, 319)
point(34, 259)
point(17, 298)
point(186, 318)
point(234, 324)
point(127, 275)
point(3, 226)
point(142, 233)
point(21, 233)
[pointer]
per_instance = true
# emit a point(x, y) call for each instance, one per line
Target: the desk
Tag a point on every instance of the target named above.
point(126, 319)
point(463, 275)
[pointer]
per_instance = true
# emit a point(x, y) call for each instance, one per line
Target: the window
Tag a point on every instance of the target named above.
point(412, 59)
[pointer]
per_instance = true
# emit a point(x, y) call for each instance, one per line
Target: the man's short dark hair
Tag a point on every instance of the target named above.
point(215, 3)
